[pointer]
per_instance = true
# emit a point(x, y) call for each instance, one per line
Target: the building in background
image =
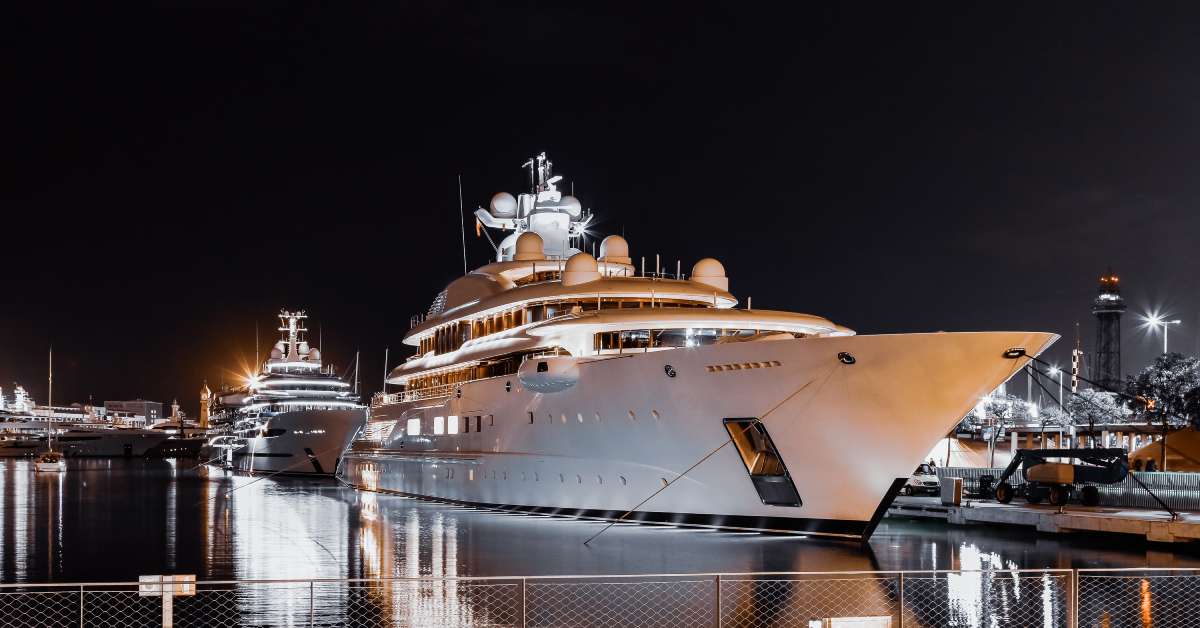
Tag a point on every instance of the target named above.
point(135, 413)
point(1108, 308)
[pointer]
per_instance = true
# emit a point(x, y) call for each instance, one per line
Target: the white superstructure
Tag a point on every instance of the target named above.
point(295, 416)
point(554, 381)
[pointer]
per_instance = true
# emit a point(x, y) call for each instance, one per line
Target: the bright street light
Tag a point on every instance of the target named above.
point(1154, 320)
point(1057, 372)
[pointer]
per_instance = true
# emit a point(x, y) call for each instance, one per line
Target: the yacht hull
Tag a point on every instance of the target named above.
point(109, 443)
point(851, 417)
point(301, 442)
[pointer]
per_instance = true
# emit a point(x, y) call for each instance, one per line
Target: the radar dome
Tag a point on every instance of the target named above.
point(710, 272)
point(571, 205)
point(314, 355)
point(303, 347)
point(529, 247)
point(581, 268)
point(615, 249)
point(276, 354)
point(504, 205)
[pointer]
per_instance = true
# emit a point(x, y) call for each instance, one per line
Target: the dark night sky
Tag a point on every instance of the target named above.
point(172, 175)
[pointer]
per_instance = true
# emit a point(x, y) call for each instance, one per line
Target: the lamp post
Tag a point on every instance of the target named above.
point(1155, 321)
point(1057, 372)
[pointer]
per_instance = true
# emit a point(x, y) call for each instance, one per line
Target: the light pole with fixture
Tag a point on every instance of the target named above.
point(1154, 321)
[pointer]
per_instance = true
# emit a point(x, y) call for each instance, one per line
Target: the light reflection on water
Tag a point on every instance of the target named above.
point(112, 520)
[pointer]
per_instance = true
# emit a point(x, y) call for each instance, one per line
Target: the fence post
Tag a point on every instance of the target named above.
point(524, 619)
point(717, 601)
point(901, 599)
point(311, 618)
point(168, 607)
point(81, 606)
point(1073, 619)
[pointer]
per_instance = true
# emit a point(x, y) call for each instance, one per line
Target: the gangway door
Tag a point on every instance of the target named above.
point(763, 462)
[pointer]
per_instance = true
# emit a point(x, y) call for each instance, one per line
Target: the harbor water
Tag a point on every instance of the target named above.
point(116, 519)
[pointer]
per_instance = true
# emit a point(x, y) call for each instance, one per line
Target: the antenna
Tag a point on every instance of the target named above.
point(356, 372)
point(257, 364)
point(49, 400)
point(462, 229)
point(385, 369)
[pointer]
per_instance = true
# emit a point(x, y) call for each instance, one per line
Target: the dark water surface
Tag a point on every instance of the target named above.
point(112, 520)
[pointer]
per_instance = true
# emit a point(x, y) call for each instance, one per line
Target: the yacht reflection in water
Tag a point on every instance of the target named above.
point(113, 520)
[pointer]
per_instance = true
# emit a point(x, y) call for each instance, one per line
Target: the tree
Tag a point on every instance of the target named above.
point(1096, 406)
point(1167, 392)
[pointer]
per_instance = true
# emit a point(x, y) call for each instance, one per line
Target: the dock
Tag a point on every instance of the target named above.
point(1153, 525)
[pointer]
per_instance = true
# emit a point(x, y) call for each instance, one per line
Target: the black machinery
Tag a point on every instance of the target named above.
point(1057, 480)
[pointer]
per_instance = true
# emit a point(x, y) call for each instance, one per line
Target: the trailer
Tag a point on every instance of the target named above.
point(1057, 481)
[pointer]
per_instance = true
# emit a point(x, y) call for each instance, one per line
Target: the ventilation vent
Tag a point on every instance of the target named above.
point(742, 366)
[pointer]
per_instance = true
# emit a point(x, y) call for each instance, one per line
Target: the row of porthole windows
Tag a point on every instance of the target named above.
point(450, 425)
point(456, 424)
point(537, 477)
point(562, 417)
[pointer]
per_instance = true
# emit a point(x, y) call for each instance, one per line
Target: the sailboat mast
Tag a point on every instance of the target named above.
point(50, 400)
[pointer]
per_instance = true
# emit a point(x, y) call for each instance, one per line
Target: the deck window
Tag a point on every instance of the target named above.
point(452, 424)
point(414, 427)
point(439, 425)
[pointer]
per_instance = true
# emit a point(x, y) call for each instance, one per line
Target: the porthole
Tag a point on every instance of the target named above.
point(580, 417)
point(664, 481)
point(508, 386)
point(563, 418)
point(599, 479)
point(654, 413)
point(471, 475)
point(578, 478)
point(561, 478)
point(523, 476)
point(597, 417)
point(623, 480)
point(537, 477)
point(506, 475)
point(632, 416)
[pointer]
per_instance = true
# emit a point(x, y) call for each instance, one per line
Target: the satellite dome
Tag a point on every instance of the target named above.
point(710, 272)
point(580, 268)
point(571, 205)
point(504, 205)
point(314, 355)
point(581, 262)
point(303, 347)
point(276, 353)
point(529, 247)
point(615, 249)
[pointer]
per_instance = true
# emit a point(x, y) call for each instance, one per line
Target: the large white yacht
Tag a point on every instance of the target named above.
point(553, 381)
point(295, 416)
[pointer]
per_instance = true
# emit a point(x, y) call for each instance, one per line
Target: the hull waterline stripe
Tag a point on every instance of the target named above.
point(839, 528)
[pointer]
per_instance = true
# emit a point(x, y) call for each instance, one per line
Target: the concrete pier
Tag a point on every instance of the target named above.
point(1153, 525)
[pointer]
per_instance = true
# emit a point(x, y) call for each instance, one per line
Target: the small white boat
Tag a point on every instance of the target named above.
point(51, 462)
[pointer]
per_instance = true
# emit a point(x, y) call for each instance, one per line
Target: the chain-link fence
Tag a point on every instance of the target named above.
point(1048, 598)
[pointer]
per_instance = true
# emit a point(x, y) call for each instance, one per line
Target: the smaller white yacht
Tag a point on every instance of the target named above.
point(295, 416)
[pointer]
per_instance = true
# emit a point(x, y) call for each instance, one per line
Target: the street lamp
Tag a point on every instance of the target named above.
point(1155, 321)
point(1057, 372)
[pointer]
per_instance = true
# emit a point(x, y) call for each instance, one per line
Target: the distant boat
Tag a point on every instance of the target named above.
point(295, 416)
point(51, 461)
